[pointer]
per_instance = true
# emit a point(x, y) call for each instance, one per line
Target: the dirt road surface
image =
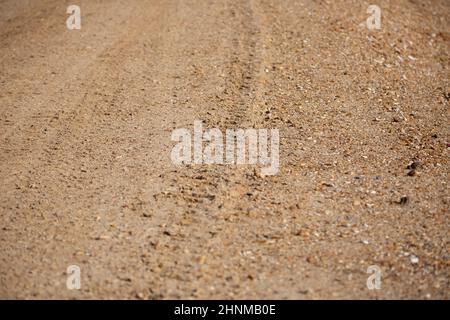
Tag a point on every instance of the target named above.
point(86, 177)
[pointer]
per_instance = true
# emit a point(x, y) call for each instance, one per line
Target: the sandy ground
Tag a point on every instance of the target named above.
point(86, 177)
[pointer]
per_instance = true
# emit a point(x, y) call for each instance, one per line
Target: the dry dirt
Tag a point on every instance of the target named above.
point(86, 177)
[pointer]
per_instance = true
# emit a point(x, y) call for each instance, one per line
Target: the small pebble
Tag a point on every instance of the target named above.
point(414, 259)
point(403, 200)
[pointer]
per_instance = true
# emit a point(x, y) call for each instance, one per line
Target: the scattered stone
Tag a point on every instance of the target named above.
point(413, 165)
point(412, 168)
point(140, 296)
point(101, 238)
point(411, 173)
point(414, 259)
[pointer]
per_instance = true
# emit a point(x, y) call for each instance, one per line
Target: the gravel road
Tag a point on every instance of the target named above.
point(86, 118)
